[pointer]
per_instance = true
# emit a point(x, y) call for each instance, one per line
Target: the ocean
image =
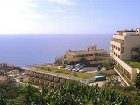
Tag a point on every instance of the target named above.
point(23, 50)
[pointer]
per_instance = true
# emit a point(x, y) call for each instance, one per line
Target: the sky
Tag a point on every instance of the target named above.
point(68, 16)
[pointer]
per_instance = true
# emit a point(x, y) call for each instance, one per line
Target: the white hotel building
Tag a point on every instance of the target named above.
point(124, 46)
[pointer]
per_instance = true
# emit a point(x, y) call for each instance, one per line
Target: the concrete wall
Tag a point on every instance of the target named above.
point(129, 43)
point(129, 69)
point(40, 78)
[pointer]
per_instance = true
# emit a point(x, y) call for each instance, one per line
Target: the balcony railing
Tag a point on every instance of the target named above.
point(124, 76)
point(118, 40)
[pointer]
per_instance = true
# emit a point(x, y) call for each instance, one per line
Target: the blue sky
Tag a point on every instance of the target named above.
point(68, 16)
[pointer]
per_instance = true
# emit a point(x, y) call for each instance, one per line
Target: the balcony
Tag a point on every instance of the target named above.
point(134, 64)
point(124, 77)
point(118, 40)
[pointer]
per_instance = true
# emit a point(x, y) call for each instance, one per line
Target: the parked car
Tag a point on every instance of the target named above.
point(100, 77)
point(82, 70)
point(69, 67)
point(77, 68)
point(80, 64)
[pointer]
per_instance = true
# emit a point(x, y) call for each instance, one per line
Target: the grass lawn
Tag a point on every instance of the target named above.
point(134, 64)
point(63, 72)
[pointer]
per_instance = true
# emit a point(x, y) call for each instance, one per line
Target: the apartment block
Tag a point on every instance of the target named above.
point(91, 54)
point(125, 46)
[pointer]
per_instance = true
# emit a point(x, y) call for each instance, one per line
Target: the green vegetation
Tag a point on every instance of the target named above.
point(59, 60)
point(108, 72)
point(137, 81)
point(70, 94)
point(108, 64)
point(134, 64)
point(84, 61)
point(62, 72)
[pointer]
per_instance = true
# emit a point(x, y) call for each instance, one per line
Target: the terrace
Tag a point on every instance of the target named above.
point(134, 64)
point(66, 73)
point(123, 76)
point(118, 40)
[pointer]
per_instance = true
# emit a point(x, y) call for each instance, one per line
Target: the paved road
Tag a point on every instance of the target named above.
point(90, 68)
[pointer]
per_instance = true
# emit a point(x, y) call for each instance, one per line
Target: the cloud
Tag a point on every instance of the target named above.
point(70, 17)
point(64, 2)
point(57, 10)
point(18, 7)
point(92, 13)
point(23, 9)
point(17, 15)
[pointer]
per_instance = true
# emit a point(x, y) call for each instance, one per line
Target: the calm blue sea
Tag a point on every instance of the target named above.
point(23, 50)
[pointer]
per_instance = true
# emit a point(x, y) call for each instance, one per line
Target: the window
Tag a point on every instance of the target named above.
point(123, 41)
point(118, 56)
point(114, 46)
point(122, 50)
point(118, 48)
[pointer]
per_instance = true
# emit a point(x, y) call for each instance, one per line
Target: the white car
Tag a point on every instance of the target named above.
point(82, 70)
point(67, 67)
point(75, 69)
point(70, 67)
point(77, 65)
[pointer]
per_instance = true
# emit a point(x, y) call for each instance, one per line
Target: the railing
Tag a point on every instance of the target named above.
point(118, 40)
point(123, 76)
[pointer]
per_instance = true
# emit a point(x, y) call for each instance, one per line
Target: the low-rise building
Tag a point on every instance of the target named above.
point(91, 54)
point(124, 47)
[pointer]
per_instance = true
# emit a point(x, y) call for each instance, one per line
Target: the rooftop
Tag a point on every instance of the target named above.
point(85, 52)
point(132, 30)
point(90, 50)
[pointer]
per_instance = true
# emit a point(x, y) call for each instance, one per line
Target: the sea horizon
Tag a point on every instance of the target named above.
point(23, 50)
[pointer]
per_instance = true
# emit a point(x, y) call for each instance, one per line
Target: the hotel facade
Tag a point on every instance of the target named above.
point(91, 54)
point(125, 46)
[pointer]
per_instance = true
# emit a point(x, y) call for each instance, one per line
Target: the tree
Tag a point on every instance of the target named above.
point(8, 90)
point(59, 60)
point(107, 64)
point(31, 94)
point(71, 93)
point(83, 60)
point(18, 101)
